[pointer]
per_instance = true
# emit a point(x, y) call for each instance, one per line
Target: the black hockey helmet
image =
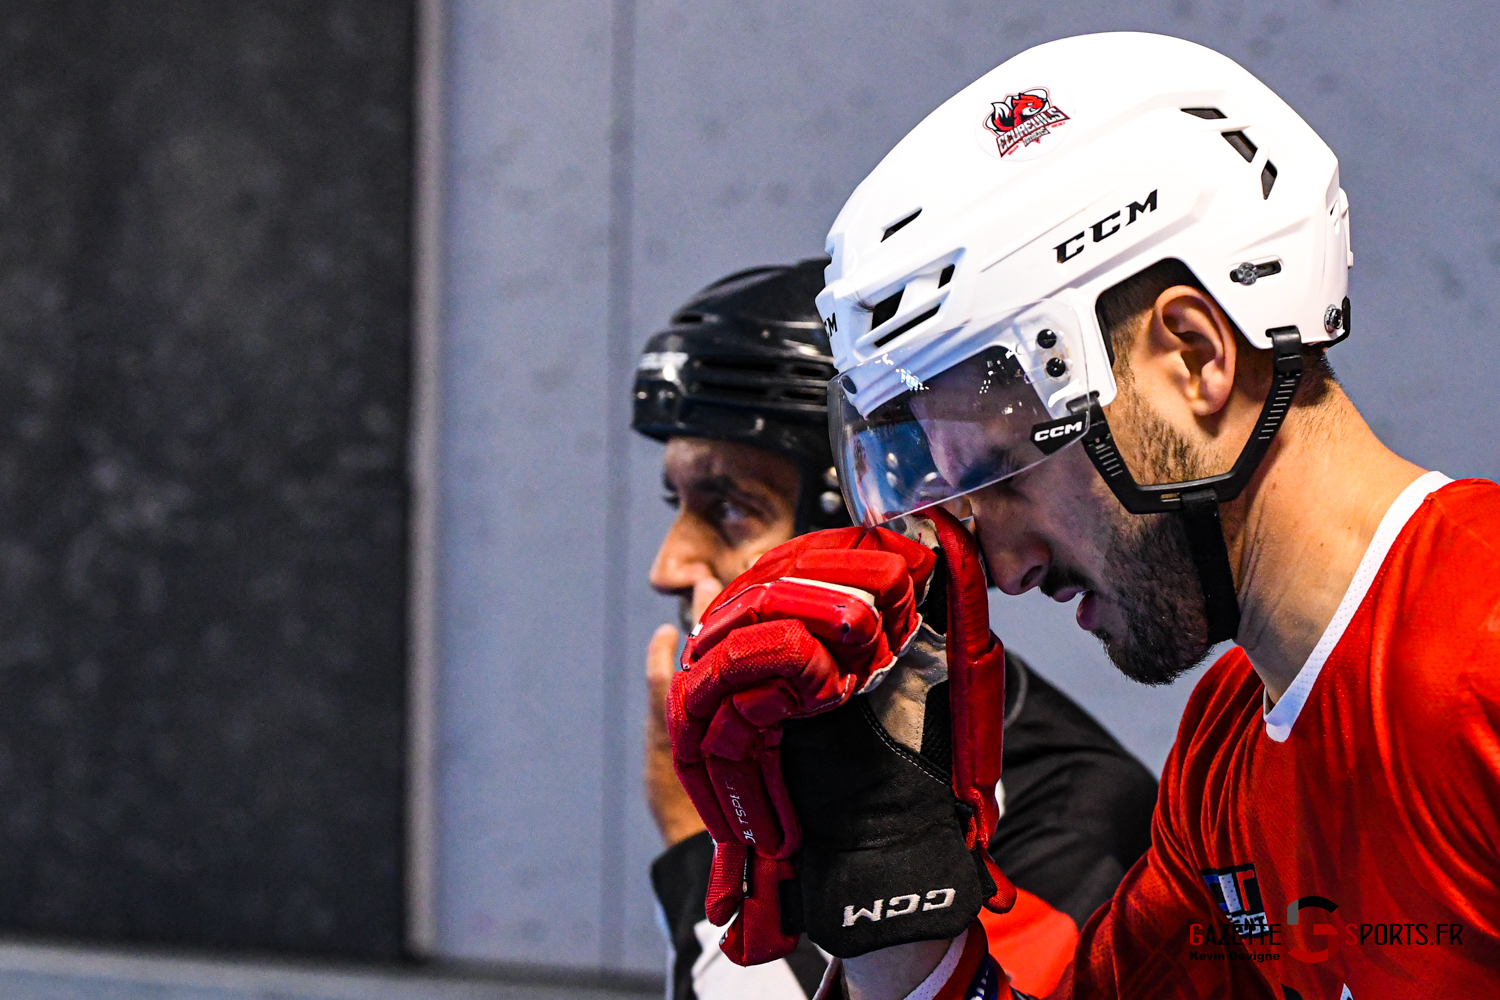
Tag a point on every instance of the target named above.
point(746, 359)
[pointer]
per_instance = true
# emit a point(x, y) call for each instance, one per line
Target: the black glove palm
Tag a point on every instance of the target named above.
point(883, 860)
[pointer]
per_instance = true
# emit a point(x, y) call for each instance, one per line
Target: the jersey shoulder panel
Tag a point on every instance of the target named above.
point(1416, 684)
point(1432, 626)
point(1471, 505)
point(1032, 942)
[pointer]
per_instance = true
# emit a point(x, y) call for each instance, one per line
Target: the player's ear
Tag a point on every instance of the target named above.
point(1192, 343)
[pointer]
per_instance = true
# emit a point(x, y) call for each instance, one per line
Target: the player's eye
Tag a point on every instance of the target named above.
point(736, 522)
point(731, 514)
point(671, 499)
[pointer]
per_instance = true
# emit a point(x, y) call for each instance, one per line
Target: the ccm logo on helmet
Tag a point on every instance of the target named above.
point(1105, 227)
point(1064, 430)
point(900, 906)
point(1051, 435)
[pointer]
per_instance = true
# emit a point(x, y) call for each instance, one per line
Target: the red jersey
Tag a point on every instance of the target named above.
point(1347, 842)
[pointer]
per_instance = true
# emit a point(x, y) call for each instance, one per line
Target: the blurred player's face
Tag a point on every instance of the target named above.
point(733, 502)
point(1057, 527)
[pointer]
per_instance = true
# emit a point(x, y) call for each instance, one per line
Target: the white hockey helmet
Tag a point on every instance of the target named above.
point(966, 267)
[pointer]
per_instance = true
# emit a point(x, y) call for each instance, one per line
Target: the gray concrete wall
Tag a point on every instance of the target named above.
point(203, 396)
point(607, 160)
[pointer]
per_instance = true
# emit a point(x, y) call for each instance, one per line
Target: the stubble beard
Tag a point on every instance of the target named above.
point(1160, 599)
point(1154, 582)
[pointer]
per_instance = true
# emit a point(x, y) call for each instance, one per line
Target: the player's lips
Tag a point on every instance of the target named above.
point(1066, 594)
point(1088, 611)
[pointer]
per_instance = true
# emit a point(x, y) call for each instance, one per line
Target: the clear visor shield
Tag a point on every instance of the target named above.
point(998, 400)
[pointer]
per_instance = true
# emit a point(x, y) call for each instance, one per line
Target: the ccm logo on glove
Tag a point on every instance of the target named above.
point(741, 816)
point(900, 906)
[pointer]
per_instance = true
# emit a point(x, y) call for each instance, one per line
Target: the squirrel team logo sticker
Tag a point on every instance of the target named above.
point(1022, 119)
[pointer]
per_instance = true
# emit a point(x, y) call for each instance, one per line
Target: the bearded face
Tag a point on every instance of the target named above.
point(1057, 527)
point(1152, 573)
point(1155, 585)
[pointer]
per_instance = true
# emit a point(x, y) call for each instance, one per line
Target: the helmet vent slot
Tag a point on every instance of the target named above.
point(1205, 113)
point(1241, 143)
point(915, 320)
point(946, 275)
point(885, 309)
point(1267, 179)
point(724, 392)
point(743, 379)
point(736, 365)
point(893, 227)
point(687, 319)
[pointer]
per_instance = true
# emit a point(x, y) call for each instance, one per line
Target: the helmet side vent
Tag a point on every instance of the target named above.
point(742, 380)
point(885, 308)
point(895, 226)
point(688, 319)
point(946, 276)
point(726, 384)
point(914, 321)
point(708, 366)
point(1241, 143)
point(1209, 113)
point(1267, 179)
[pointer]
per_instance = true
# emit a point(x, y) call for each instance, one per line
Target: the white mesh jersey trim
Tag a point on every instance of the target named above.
point(1281, 717)
point(926, 990)
point(940, 976)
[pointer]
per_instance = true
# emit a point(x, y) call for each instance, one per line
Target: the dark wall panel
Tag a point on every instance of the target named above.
point(203, 395)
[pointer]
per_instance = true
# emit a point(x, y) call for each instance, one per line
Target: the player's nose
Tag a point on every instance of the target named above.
point(681, 561)
point(1016, 558)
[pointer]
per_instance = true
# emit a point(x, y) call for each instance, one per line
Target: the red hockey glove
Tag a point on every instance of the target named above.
point(895, 792)
point(815, 621)
point(798, 636)
point(976, 693)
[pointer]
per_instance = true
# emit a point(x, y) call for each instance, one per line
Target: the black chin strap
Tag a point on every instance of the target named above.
point(1221, 606)
point(1198, 501)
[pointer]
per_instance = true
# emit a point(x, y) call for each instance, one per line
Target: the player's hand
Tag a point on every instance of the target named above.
point(676, 819)
point(813, 622)
point(670, 806)
point(895, 791)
